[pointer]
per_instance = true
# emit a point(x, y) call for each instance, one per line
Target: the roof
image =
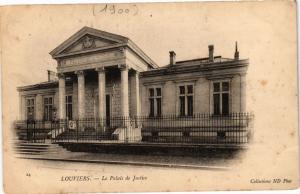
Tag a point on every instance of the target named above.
point(119, 41)
point(41, 85)
point(199, 64)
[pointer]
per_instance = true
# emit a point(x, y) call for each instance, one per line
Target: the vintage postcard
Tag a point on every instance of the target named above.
point(140, 97)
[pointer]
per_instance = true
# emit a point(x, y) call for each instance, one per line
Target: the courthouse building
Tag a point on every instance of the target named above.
point(104, 75)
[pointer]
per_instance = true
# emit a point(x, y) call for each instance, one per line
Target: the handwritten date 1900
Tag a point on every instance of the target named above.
point(116, 9)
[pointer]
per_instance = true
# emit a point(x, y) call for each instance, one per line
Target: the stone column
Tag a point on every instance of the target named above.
point(137, 94)
point(125, 100)
point(101, 97)
point(101, 91)
point(243, 93)
point(81, 94)
point(75, 100)
point(124, 91)
point(61, 96)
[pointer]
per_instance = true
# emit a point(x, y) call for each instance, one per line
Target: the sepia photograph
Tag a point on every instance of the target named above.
point(149, 97)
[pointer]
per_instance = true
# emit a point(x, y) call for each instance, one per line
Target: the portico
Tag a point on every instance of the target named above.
point(101, 88)
point(104, 70)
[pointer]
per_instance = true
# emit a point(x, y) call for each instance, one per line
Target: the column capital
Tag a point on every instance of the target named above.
point(123, 67)
point(78, 73)
point(122, 50)
point(243, 74)
point(100, 69)
point(61, 76)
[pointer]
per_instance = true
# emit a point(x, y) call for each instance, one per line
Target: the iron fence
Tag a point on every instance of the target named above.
point(37, 131)
point(199, 128)
point(234, 128)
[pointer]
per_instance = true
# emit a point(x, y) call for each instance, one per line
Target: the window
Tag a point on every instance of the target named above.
point(221, 98)
point(155, 102)
point(186, 93)
point(69, 109)
point(30, 108)
point(48, 108)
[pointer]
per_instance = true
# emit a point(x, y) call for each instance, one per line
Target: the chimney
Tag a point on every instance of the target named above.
point(172, 58)
point(52, 76)
point(48, 75)
point(211, 53)
point(236, 54)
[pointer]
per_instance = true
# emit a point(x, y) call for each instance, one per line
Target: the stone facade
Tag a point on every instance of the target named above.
point(97, 68)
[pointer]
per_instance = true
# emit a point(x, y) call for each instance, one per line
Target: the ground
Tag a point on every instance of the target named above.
point(213, 161)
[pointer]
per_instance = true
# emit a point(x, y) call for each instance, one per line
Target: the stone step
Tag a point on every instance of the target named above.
point(41, 152)
point(31, 147)
point(31, 150)
point(33, 144)
point(23, 148)
point(28, 153)
point(88, 135)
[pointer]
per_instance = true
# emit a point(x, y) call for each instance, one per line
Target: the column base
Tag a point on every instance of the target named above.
point(128, 134)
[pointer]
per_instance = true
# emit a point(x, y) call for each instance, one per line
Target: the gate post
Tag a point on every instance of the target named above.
point(77, 127)
point(33, 124)
point(27, 130)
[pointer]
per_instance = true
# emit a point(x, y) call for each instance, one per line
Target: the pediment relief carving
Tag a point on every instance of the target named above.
point(88, 42)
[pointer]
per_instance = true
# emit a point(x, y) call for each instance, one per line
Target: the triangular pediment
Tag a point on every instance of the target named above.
point(88, 42)
point(87, 39)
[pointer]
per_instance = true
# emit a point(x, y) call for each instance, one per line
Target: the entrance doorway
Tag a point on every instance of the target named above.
point(107, 114)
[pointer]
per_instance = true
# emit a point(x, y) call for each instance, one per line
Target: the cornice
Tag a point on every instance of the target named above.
point(38, 86)
point(196, 68)
point(35, 91)
point(151, 83)
point(90, 51)
point(123, 67)
point(91, 65)
point(100, 69)
point(42, 86)
point(214, 77)
point(120, 47)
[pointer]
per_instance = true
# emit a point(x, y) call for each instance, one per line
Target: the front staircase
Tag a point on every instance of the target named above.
point(29, 150)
